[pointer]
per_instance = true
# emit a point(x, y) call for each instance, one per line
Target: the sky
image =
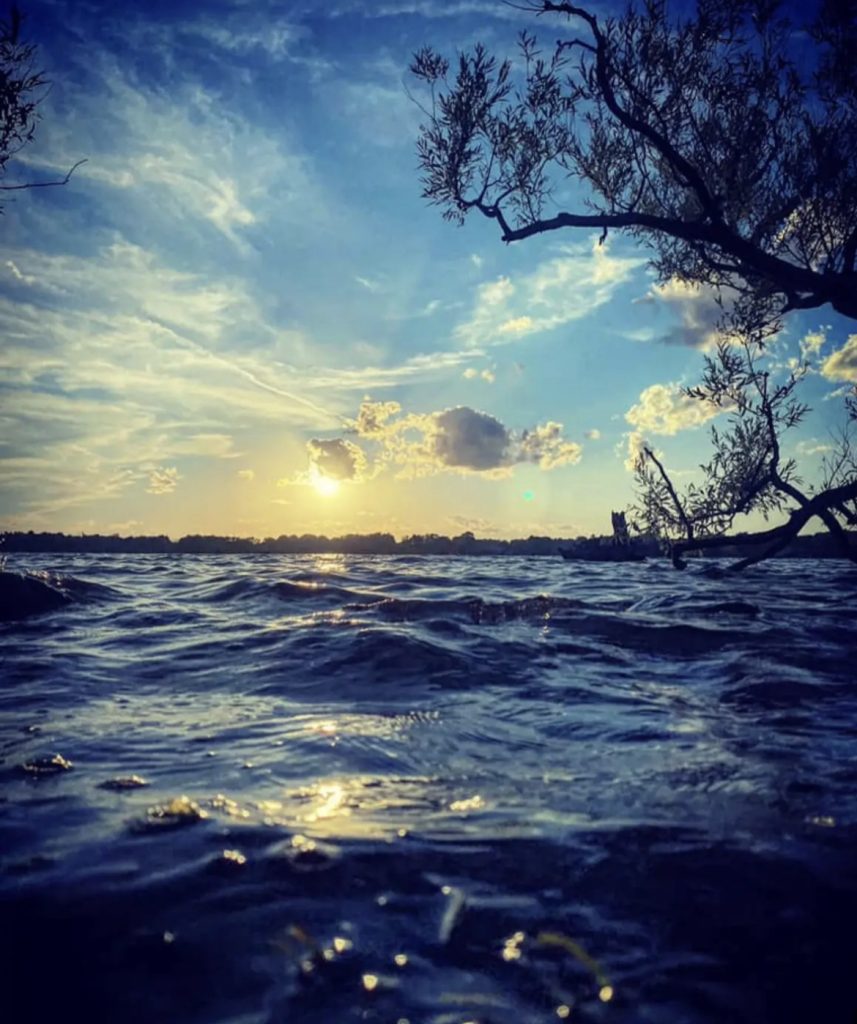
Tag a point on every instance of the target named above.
point(241, 317)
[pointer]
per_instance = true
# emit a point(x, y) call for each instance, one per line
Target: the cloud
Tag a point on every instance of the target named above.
point(181, 157)
point(218, 446)
point(126, 526)
point(336, 459)
point(811, 344)
point(666, 409)
point(163, 480)
point(459, 439)
point(246, 31)
point(372, 418)
point(471, 373)
point(842, 364)
point(474, 524)
point(592, 435)
point(558, 291)
point(636, 443)
point(364, 378)
point(246, 474)
point(546, 447)
point(428, 9)
point(812, 446)
point(384, 113)
point(697, 309)
point(115, 362)
point(463, 438)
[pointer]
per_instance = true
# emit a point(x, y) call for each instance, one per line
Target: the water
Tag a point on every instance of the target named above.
point(430, 790)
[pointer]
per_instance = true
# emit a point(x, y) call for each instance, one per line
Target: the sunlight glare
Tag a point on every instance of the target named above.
point(326, 486)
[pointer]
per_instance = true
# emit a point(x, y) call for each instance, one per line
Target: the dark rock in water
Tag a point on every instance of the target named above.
point(51, 765)
point(22, 595)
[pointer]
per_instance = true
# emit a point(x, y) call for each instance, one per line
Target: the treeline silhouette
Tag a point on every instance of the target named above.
point(819, 545)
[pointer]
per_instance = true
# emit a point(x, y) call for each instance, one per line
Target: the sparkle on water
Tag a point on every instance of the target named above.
point(338, 788)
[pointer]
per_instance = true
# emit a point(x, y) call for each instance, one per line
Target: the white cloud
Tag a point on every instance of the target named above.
point(558, 291)
point(471, 373)
point(163, 480)
point(811, 344)
point(246, 474)
point(666, 409)
point(592, 435)
point(218, 446)
point(842, 364)
point(181, 156)
point(545, 446)
point(429, 9)
point(129, 373)
point(426, 366)
point(460, 439)
point(248, 30)
point(812, 446)
point(635, 445)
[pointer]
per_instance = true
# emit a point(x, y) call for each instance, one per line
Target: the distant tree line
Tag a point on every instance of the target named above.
point(813, 546)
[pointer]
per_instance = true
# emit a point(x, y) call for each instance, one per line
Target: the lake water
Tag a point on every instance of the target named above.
point(430, 790)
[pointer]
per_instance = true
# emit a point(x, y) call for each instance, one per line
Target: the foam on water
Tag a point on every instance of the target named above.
point(369, 788)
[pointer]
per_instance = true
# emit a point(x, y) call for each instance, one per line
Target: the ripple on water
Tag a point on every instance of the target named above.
point(430, 789)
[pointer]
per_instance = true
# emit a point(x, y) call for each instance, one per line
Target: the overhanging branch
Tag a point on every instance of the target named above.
point(815, 506)
point(43, 184)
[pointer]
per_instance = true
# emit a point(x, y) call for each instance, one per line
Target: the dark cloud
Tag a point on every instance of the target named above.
point(336, 459)
point(465, 439)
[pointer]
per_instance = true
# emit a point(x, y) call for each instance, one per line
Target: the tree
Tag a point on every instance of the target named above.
point(726, 142)
point(747, 472)
point(22, 88)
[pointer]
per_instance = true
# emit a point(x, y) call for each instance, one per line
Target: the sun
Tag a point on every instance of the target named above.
point(326, 486)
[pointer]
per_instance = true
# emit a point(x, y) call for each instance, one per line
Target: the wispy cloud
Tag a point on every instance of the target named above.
point(163, 480)
point(560, 290)
point(179, 153)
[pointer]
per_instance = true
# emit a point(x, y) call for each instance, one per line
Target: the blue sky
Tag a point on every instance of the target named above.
point(193, 324)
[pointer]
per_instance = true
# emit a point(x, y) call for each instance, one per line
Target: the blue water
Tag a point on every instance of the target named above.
point(430, 790)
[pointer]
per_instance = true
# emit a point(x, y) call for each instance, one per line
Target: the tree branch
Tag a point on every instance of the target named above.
point(688, 526)
point(815, 506)
point(43, 184)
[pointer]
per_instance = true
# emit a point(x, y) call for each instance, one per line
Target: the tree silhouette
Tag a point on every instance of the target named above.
point(726, 142)
point(747, 471)
point(22, 87)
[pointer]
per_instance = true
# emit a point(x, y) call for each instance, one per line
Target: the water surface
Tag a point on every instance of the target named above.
point(430, 790)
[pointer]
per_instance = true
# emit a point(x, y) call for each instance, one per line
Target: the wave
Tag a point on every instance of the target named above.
point(429, 789)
